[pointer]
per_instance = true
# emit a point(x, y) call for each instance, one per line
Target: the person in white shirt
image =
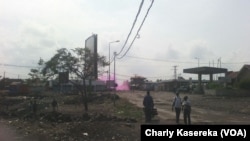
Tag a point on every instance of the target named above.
point(186, 106)
point(177, 105)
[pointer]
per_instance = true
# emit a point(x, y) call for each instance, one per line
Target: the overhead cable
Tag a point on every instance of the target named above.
point(137, 30)
point(138, 13)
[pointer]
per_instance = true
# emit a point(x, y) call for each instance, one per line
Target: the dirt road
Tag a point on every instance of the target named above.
point(204, 109)
point(7, 134)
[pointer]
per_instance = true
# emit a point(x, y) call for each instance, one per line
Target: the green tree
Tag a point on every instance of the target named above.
point(245, 84)
point(79, 63)
point(36, 75)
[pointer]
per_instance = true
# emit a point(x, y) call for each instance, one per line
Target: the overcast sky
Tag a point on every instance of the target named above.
point(174, 33)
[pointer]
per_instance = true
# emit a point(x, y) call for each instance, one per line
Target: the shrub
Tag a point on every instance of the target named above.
point(214, 85)
point(245, 84)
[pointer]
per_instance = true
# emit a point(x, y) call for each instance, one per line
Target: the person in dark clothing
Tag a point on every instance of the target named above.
point(34, 108)
point(54, 104)
point(186, 106)
point(148, 104)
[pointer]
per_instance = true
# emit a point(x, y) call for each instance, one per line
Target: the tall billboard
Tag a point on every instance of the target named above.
point(91, 44)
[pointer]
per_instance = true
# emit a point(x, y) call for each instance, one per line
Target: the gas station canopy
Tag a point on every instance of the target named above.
point(205, 70)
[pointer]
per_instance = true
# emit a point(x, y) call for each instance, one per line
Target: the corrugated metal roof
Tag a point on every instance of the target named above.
point(233, 74)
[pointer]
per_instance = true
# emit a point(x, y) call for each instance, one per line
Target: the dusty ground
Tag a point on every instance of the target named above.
point(103, 122)
point(106, 121)
point(206, 109)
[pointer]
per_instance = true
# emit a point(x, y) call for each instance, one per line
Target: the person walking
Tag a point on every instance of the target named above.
point(186, 106)
point(54, 105)
point(34, 108)
point(177, 105)
point(148, 104)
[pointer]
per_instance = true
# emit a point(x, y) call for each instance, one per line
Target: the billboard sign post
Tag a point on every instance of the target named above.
point(91, 44)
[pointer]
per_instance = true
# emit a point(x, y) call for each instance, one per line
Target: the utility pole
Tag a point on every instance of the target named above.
point(176, 81)
point(4, 80)
point(175, 75)
point(198, 61)
point(114, 79)
point(110, 62)
point(219, 64)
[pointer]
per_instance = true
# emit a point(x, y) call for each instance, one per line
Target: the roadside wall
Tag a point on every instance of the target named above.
point(231, 92)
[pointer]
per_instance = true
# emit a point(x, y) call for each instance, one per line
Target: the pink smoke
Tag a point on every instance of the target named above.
point(122, 86)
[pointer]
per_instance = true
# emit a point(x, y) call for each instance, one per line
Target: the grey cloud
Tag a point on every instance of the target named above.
point(201, 50)
point(47, 43)
point(168, 53)
point(172, 53)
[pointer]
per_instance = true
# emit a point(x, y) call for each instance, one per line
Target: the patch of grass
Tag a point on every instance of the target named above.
point(72, 100)
point(126, 109)
point(214, 85)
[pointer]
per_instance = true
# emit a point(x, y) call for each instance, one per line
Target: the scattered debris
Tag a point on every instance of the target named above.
point(69, 122)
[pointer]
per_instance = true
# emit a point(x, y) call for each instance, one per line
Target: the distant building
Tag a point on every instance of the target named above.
point(244, 73)
point(18, 88)
point(14, 86)
point(174, 84)
point(137, 83)
point(231, 77)
point(149, 86)
point(70, 86)
point(236, 77)
point(5, 82)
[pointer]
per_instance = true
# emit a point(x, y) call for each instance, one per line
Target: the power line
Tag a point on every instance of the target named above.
point(138, 30)
point(112, 59)
point(185, 62)
point(132, 26)
point(158, 60)
point(20, 66)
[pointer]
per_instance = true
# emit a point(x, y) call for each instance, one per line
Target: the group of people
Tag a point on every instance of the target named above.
point(178, 105)
point(184, 105)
